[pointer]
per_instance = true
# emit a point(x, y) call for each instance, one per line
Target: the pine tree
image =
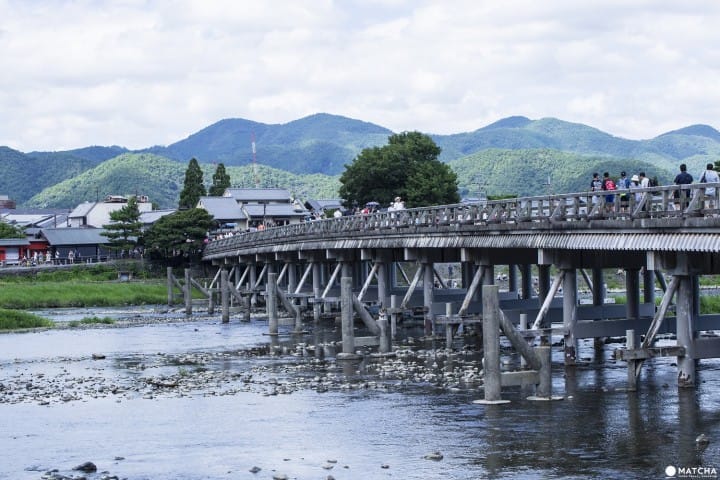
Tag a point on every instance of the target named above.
point(220, 181)
point(193, 187)
point(125, 228)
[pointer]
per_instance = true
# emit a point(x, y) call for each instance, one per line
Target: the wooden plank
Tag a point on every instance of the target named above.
point(516, 379)
point(649, 352)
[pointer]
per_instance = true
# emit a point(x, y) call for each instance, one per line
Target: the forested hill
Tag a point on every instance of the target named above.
point(25, 174)
point(322, 144)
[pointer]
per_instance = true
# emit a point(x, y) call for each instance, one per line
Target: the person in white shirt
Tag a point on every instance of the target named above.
point(710, 176)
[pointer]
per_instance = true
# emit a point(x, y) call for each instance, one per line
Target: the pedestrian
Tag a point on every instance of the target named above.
point(398, 204)
point(609, 186)
point(710, 176)
point(682, 178)
point(635, 185)
point(623, 183)
point(595, 186)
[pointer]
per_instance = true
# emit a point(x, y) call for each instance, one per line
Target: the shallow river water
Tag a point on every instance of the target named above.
point(202, 400)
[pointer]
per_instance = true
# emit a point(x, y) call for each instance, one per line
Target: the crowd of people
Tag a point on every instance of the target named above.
point(622, 187)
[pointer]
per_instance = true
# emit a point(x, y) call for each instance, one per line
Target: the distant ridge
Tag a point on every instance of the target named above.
point(698, 130)
point(515, 154)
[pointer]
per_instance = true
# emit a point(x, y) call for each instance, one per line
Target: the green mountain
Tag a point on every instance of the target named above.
point(26, 174)
point(320, 143)
point(539, 171)
point(512, 155)
point(161, 179)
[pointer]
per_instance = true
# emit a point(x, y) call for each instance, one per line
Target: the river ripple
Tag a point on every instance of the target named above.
point(176, 399)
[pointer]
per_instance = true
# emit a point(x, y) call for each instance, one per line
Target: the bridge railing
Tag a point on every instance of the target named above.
point(636, 203)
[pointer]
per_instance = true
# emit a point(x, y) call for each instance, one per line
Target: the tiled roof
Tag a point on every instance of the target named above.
point(14, 242)
point(148, 218)
point(283, 210)
point(82, 210)
point(74, 236)
point(222, 208)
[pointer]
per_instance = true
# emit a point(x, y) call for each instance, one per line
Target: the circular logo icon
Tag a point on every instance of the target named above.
point(670, 471)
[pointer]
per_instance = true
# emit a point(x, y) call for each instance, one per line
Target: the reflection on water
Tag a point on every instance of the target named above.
point(597, 431)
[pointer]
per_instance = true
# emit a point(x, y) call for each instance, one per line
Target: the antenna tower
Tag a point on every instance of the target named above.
point(256, 177)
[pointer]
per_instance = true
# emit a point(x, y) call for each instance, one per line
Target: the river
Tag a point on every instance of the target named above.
point(204, 400)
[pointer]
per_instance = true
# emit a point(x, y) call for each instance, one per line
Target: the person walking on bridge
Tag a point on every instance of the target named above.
point(682, 178)
point(710, 176)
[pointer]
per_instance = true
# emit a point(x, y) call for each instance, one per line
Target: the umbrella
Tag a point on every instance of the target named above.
point(372, 204)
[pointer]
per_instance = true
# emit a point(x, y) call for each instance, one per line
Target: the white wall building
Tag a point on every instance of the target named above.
point(97, 214)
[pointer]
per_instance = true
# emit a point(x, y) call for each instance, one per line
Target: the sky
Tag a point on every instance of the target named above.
point(138, 73)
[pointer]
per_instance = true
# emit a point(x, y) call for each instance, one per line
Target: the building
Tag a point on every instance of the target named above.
point(254, 207)
point(85, 243)
point(6, 202)
point(97, 214)
point(228, 213)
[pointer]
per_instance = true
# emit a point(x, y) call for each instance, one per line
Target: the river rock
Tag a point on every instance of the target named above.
point(255, 469)
point(437, 456)
point(87, 467)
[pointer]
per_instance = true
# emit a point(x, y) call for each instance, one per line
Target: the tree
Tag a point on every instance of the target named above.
point(10, 231)
point(179, 234)
point(125, 229)
point(220, 181)
point(193, 187)
point(407, 167)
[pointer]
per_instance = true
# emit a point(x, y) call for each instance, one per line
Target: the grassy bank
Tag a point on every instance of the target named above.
point(13, 319)
point(81, 294)
point(80, 287)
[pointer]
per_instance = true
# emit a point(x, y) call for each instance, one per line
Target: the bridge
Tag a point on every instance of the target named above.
point(661, 239)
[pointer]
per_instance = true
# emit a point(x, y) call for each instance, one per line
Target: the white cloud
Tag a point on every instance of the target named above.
point(137, 73)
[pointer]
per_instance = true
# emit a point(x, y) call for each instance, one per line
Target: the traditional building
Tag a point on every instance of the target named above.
point(97, 214)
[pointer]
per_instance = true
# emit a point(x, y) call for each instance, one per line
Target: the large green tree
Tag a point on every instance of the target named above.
point(407, 167)
point(220, 181)
point(125, 229)
point(179, 234)
point(193, 186)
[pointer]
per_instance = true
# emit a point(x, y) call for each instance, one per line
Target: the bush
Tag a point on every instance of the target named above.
point(12, 319)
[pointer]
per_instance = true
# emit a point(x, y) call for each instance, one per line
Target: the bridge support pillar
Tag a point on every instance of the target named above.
point(570, 315)
point(253, 281)
point(317, 289)
point(543, 282)
point(428, 284)
point(292, 277)
point(382, 284)
point(225, 296)
point(598, 292)
point(648, 286)
point(347, 315)
point(384, 333)
point(170, 286)
point(512, 278)
point(187, 288)
point(527, 282)
point(686, 331)
point(632, 292)
point(598, 296)
point(246, 313)
point(271, 302)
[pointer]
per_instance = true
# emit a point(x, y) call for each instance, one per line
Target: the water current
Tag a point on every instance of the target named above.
point(204, 400)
